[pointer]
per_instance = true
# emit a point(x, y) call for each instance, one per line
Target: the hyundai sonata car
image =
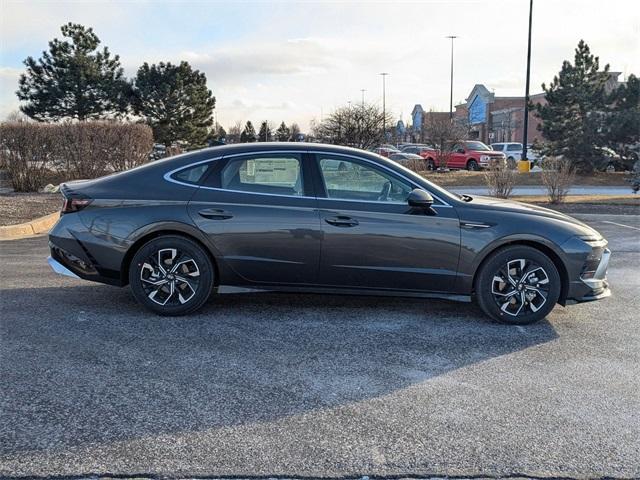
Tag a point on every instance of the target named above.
point(318, 218)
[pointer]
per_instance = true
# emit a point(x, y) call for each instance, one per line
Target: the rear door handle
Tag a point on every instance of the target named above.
point(215, 214)
point(341, 221)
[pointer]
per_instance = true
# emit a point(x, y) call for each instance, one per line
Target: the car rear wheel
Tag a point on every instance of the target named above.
point(472, 166)
point(171, 275)
point(518, 285)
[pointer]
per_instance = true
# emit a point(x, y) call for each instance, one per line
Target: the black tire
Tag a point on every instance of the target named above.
point(431, 165)
point(172, 269)
point(523, 302)
point(511, 163)
point(472, 165)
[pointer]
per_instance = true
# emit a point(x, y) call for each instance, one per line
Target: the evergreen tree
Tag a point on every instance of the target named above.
point(265, 132)
point(74, 80)
point(175, 101)
point(572, 118)
point(283, 133)
point(248, 134)
point(623, 122)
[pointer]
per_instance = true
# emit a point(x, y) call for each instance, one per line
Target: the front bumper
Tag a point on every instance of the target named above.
point(594, 287)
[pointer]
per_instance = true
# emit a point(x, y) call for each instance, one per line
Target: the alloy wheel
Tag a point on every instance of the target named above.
point(170, 277)
point(520, 287)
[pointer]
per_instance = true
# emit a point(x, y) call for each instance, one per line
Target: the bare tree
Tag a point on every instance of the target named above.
point(443, 134)
point(233, 136)
point(294, 131)
point(500, 180)
point(557, 176)
point(356, 126)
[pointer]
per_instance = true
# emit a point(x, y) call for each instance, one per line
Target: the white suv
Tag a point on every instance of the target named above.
point(512, 150)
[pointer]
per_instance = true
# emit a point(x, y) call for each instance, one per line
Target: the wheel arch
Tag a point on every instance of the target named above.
point(181, 230)
point(540, 246)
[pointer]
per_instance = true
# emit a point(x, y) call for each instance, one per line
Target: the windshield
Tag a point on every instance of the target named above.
point(476, 146)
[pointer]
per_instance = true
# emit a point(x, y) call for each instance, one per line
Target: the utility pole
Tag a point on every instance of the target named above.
point(526, 93)
point(384, 106)
point(452, 37)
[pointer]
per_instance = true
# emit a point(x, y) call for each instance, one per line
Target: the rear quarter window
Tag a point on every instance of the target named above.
point(192, 175)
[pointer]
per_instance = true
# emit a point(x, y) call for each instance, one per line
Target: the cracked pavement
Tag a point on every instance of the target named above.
point(275, 385)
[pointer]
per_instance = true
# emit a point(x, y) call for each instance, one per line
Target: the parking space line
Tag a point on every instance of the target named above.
point(621, 225)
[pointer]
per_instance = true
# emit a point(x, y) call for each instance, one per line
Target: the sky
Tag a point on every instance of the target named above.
point(298, 61)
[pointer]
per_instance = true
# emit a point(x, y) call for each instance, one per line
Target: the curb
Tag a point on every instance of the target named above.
point(28, 229)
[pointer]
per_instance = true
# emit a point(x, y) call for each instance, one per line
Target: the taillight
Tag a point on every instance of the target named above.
point(71, 205)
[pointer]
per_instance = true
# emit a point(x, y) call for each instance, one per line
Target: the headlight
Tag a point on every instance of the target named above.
point(484, 158)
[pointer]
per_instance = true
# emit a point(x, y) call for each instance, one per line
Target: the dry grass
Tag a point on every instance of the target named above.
point(463, 178)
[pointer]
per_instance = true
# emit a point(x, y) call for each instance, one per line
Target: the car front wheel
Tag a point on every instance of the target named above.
point(473, 166)
point(171, 275)
point(518, 285)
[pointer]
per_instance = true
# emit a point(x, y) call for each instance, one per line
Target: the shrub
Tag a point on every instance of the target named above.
point(557, 176)
point(27, 153)
point(31, 151)
point(416, 165)
point(500, 180)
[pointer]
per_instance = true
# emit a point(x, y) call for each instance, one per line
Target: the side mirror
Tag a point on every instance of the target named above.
point(460, 150)
point(420, 199)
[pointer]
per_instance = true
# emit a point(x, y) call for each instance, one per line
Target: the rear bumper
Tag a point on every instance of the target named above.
point(59, 268)
point(79, 253)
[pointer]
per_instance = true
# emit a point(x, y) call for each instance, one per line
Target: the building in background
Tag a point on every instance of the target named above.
point(491, 118)
point(420, 120)
point(497, 119)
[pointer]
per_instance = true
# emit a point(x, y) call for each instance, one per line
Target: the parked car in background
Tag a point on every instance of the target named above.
point(418, 149)
point(470, 155)
point(385, 150)
point(410, 160)
point(318, 218)
point(512, 150)
point(610, 161)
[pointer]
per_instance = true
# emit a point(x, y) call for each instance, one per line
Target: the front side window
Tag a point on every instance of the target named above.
point(346, 179)
point(279, 174)
point(514, 147)
point(478, 146)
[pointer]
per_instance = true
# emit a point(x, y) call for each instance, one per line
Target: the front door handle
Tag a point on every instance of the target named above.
point(215, 214)
point(341, 221)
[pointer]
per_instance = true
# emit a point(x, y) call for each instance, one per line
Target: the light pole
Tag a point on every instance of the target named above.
point(362, 91)
point(452, 37)
point(384, 105)
point(526, 92)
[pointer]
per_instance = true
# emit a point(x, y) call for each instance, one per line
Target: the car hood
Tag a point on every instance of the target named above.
point(498, 204)
point(491, 153)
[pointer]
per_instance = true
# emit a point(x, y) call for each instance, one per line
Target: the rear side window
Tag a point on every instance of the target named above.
point(192, 175)
point(514, 147)
point(279, 174)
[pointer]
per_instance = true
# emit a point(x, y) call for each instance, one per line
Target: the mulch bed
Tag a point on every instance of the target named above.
point(23, 207)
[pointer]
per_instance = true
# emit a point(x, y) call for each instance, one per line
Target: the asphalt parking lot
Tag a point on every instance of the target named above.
point(306, 386)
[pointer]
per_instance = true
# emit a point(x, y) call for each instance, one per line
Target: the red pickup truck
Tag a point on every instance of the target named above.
point(470, 155)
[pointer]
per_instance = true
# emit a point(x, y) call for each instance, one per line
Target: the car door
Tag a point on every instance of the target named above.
point(372, 239)
point(259, 211)
point(458, 157)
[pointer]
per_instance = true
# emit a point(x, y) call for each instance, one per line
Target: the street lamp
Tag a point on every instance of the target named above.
point(384, 105)
point(362, 90)
point(451, 87)
point(526, 93)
